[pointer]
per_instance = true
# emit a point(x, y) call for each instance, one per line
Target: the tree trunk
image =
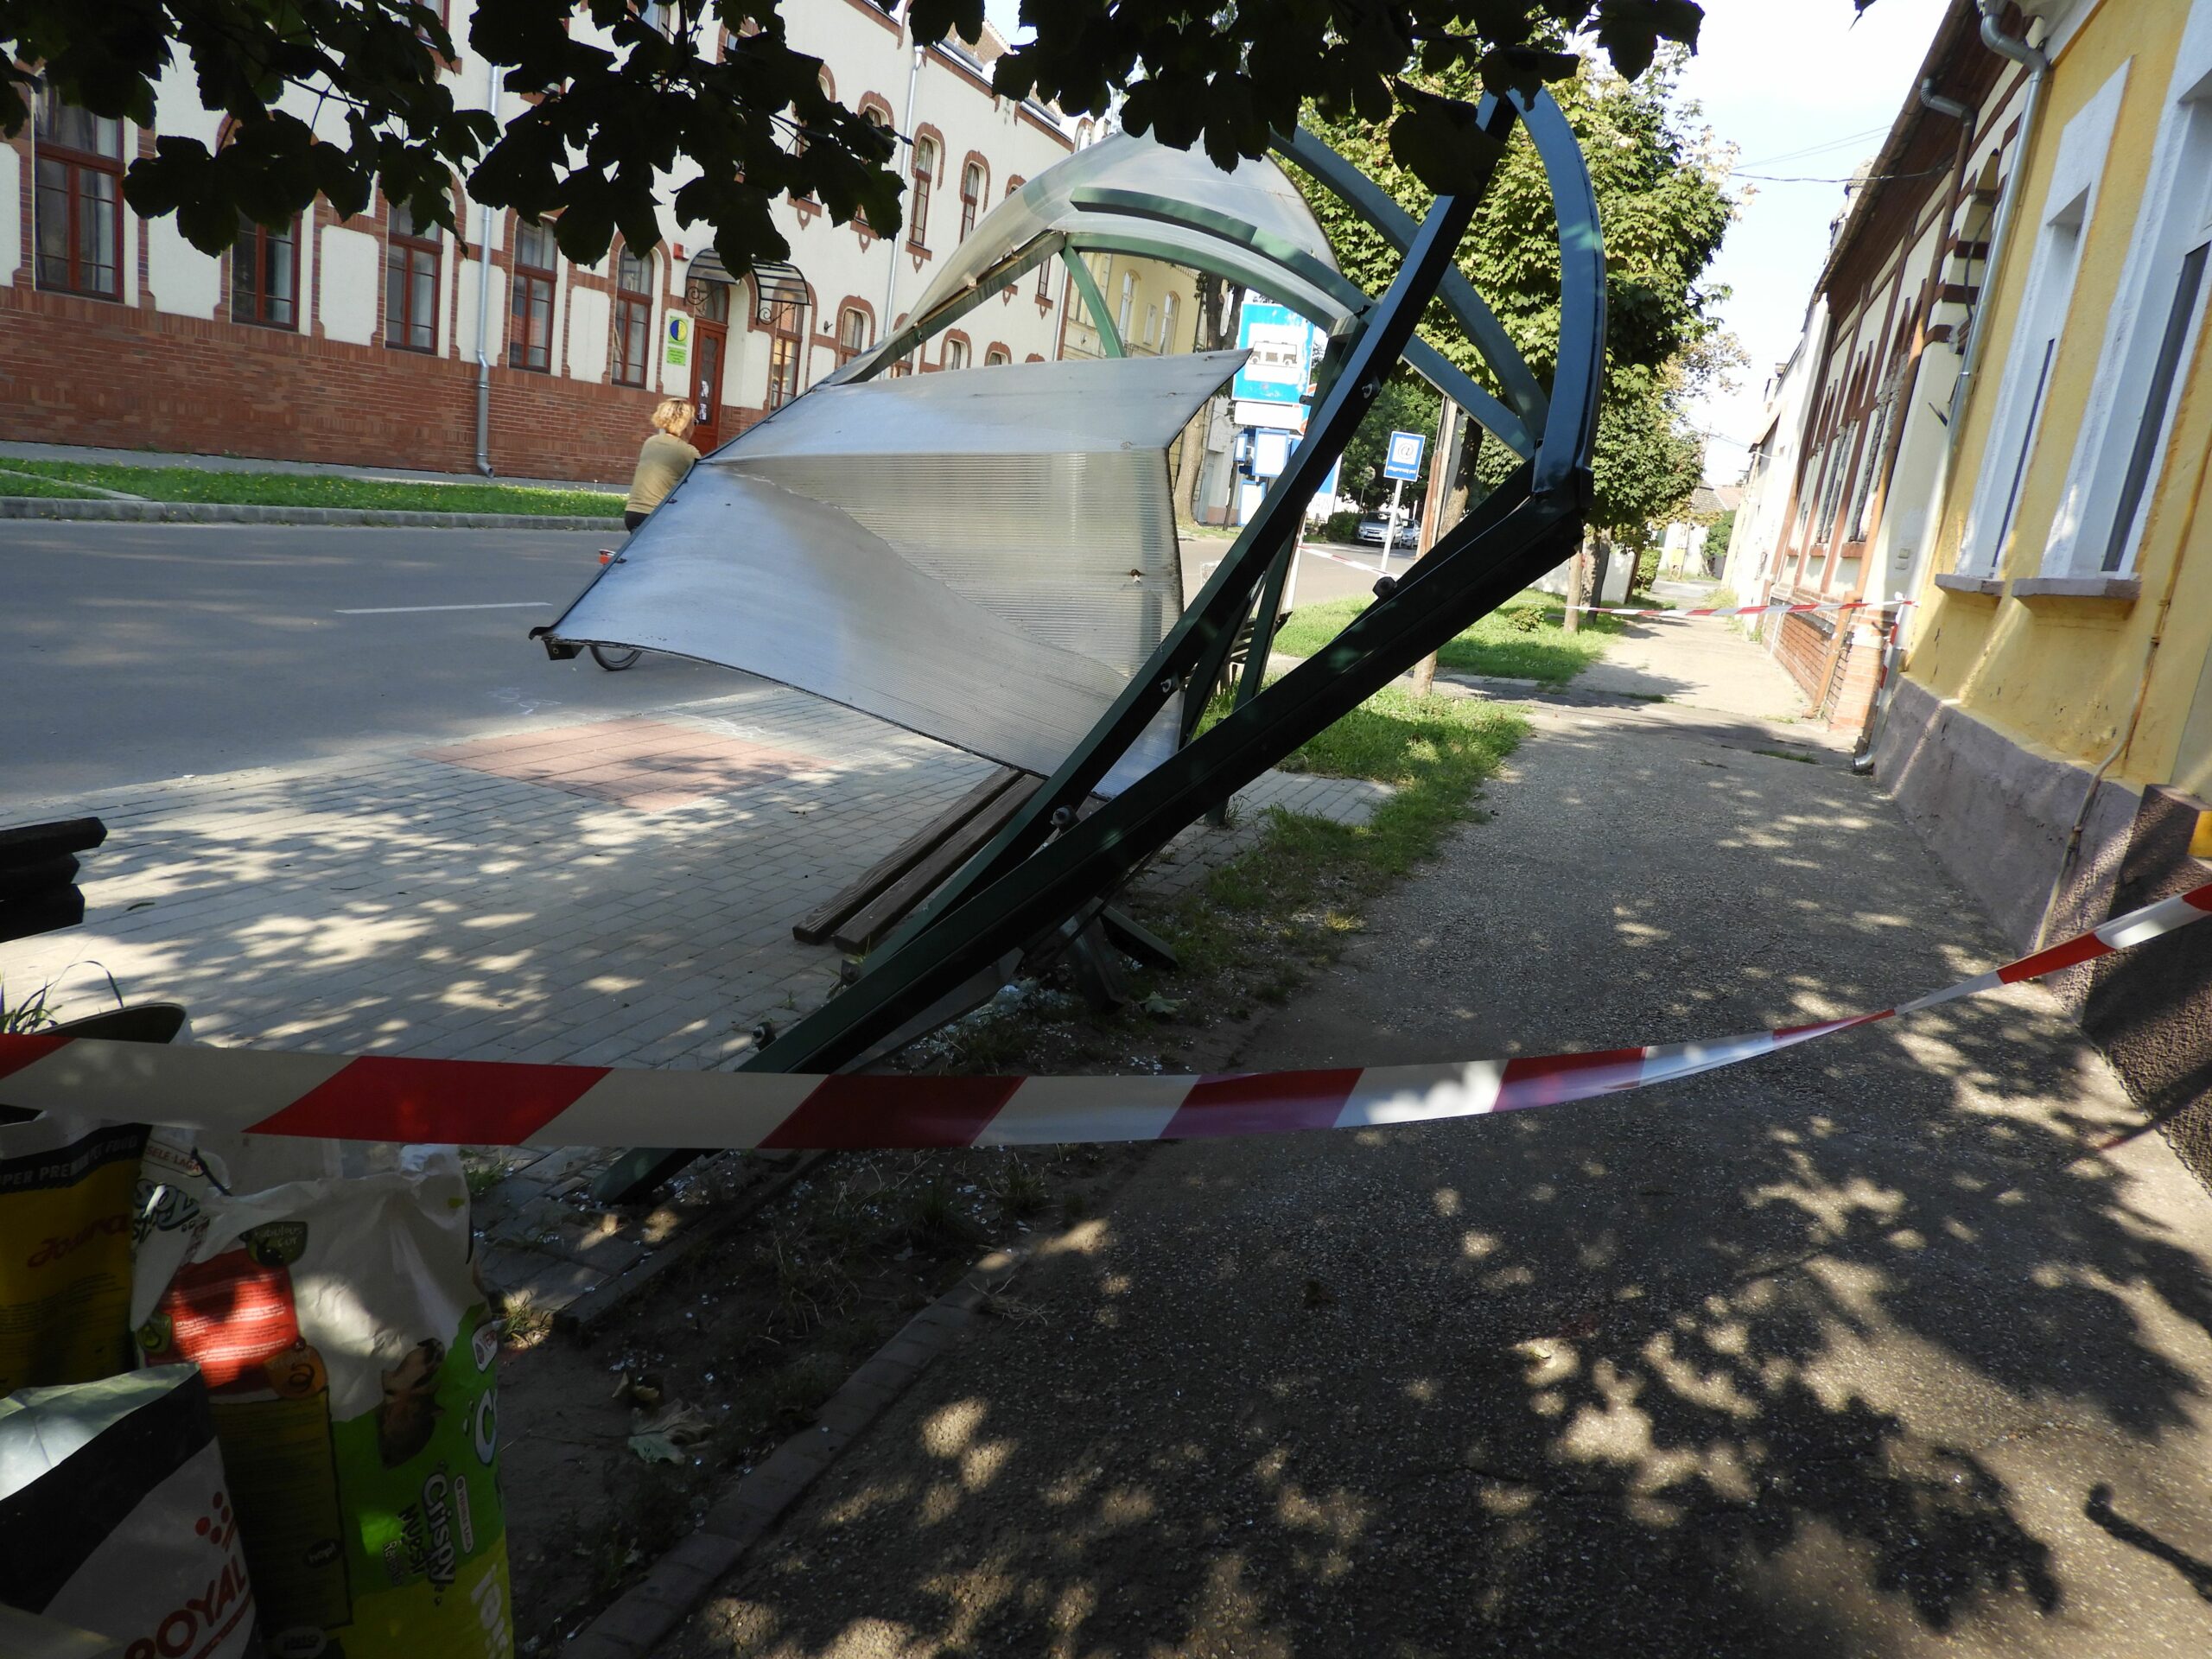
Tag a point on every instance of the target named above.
point(1577, 585)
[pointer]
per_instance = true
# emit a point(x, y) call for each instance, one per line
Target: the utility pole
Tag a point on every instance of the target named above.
point(1443, 473)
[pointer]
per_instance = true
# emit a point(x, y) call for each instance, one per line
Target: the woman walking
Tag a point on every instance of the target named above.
point(662, 462)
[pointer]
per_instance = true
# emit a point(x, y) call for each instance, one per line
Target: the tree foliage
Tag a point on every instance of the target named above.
point(718, 85)
point(1663, 211)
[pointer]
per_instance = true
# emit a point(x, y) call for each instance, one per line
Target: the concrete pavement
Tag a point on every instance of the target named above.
point(1875, 1348)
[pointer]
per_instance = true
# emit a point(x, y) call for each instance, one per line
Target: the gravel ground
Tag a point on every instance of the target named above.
point(1862, 1349)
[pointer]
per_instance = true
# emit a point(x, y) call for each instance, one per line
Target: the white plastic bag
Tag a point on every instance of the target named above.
point(350, 1359)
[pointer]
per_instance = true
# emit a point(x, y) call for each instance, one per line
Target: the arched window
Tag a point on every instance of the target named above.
point(971, 196)
point(634, 317)
point(918, 215)
point(80, 212)
point(852, 333)
point(956, 354)
point(411, 282)
point(995, 356)
point(782, 310)
point(1167, 322)
point(1128, 303)
point(265, 274)
point(530, 311)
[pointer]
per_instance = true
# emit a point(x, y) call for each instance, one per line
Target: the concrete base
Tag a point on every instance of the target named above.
point(1999, 816)
point(2150, 1010)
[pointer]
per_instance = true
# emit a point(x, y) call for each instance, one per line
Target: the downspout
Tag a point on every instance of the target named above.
point(891, 278)
point(2000, 239)
point(484, 297)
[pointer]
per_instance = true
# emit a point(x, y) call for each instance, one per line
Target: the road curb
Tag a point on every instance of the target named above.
point(216, 512)
point(644, 1616)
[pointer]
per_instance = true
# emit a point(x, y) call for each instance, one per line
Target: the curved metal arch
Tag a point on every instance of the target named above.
point(1421, 357)
point(1395, 225)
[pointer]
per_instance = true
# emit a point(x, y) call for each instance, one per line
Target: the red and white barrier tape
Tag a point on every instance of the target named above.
point(376, 1097)
point(1782, 605)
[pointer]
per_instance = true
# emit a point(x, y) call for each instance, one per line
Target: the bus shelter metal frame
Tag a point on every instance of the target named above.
point(1047, 865)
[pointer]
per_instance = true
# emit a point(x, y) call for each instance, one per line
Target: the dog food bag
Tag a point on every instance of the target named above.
point(350, 1361)
point(65, 1249)
point(115, 1519)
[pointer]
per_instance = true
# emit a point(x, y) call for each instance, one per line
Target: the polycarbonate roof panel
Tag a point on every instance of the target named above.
point(1258, 193)
point(984, 556)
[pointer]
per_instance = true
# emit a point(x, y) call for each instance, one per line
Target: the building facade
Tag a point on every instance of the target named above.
point(364, 340)
point(2050, 727)
point(1843, 518)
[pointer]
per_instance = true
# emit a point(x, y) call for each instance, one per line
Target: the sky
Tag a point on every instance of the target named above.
point(1777, 77)
point(1805, 90)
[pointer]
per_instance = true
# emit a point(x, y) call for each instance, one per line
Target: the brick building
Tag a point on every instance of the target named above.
point(363, 341)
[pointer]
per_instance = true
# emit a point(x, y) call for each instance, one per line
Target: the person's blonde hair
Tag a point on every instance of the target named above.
point(673, 416)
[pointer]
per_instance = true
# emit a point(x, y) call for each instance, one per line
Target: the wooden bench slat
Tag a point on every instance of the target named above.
point(863, 930)
point(826, 918)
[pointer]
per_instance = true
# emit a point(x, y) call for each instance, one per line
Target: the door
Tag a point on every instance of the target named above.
point(711, 340)
point(709, 353)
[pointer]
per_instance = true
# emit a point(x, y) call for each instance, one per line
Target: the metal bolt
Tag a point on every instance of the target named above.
point(1386, 587)
point(1063, 817)
point(1166, 686)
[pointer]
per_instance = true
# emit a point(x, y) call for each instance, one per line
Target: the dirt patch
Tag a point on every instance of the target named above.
point(740, 1347)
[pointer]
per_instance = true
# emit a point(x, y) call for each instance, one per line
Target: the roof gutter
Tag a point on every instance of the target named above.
point(2000, 232)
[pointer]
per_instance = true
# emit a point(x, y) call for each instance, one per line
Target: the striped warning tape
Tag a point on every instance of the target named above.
point(1776, 606)
point(376, 1097)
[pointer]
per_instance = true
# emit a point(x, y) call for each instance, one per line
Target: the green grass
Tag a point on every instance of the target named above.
point(297, 490)
point(14, 484)
point(1284, 906)
point(1521, 640)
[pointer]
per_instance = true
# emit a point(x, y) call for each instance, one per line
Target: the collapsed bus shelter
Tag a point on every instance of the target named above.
point(989, 557)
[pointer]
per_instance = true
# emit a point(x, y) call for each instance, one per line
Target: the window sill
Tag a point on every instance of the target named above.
point(1952, 582)
point(2109, 590)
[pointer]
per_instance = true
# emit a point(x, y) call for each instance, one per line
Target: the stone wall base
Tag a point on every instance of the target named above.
point(2001, 817)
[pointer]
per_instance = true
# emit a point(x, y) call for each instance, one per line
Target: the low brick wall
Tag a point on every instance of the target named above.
point(90, 372)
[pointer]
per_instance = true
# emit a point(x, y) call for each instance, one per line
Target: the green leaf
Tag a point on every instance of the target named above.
point(1442, 143)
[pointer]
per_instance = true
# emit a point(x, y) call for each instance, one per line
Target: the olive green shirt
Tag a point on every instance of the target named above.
point(661, 466)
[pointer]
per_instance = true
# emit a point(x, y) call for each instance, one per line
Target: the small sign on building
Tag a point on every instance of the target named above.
point(676, 354)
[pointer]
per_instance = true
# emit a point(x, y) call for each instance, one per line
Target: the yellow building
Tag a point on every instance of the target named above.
point(2050, 731)
point(1154, 308)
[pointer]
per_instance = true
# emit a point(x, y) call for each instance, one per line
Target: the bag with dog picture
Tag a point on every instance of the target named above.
point(349, 1355)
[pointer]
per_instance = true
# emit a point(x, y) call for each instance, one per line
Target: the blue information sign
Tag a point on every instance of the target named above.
point(1284, 353)
point(1403, 462)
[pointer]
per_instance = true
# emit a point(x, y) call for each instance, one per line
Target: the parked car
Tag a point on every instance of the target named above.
point(1372, 531)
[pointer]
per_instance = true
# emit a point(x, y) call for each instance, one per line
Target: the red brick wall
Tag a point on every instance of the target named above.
point(77, 371)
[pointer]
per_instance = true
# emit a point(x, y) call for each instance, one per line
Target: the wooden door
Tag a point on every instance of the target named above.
point(709, 347)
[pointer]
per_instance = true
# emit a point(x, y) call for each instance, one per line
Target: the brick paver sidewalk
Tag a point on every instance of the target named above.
point(611, 891)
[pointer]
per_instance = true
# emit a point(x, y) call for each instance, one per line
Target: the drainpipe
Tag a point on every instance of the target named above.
point(2000, 240)
point(891, 279)
point(484, 298)
point(1931, 100)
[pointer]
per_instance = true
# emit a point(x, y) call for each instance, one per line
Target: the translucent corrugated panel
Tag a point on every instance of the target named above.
point(1258, 193)
point(985, 555)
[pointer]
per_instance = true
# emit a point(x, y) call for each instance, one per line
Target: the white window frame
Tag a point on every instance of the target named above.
point(2039, 327)
point(2176, 217)
point(1128, 305)
point(1168, 308)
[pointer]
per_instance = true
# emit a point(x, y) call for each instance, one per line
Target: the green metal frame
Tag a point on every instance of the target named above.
point(1109, 333)
point(1046, 864)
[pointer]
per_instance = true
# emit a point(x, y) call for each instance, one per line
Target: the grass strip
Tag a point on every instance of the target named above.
point(1520, 640)
point(1286, 907)
point(13, 483)
point(301, 490)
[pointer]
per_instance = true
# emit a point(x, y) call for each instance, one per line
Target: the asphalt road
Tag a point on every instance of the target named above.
point(130, 653)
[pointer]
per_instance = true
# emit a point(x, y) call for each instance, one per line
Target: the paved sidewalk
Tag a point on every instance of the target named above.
point(1867, 1348)
point(616, 889)
point(99, 457)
